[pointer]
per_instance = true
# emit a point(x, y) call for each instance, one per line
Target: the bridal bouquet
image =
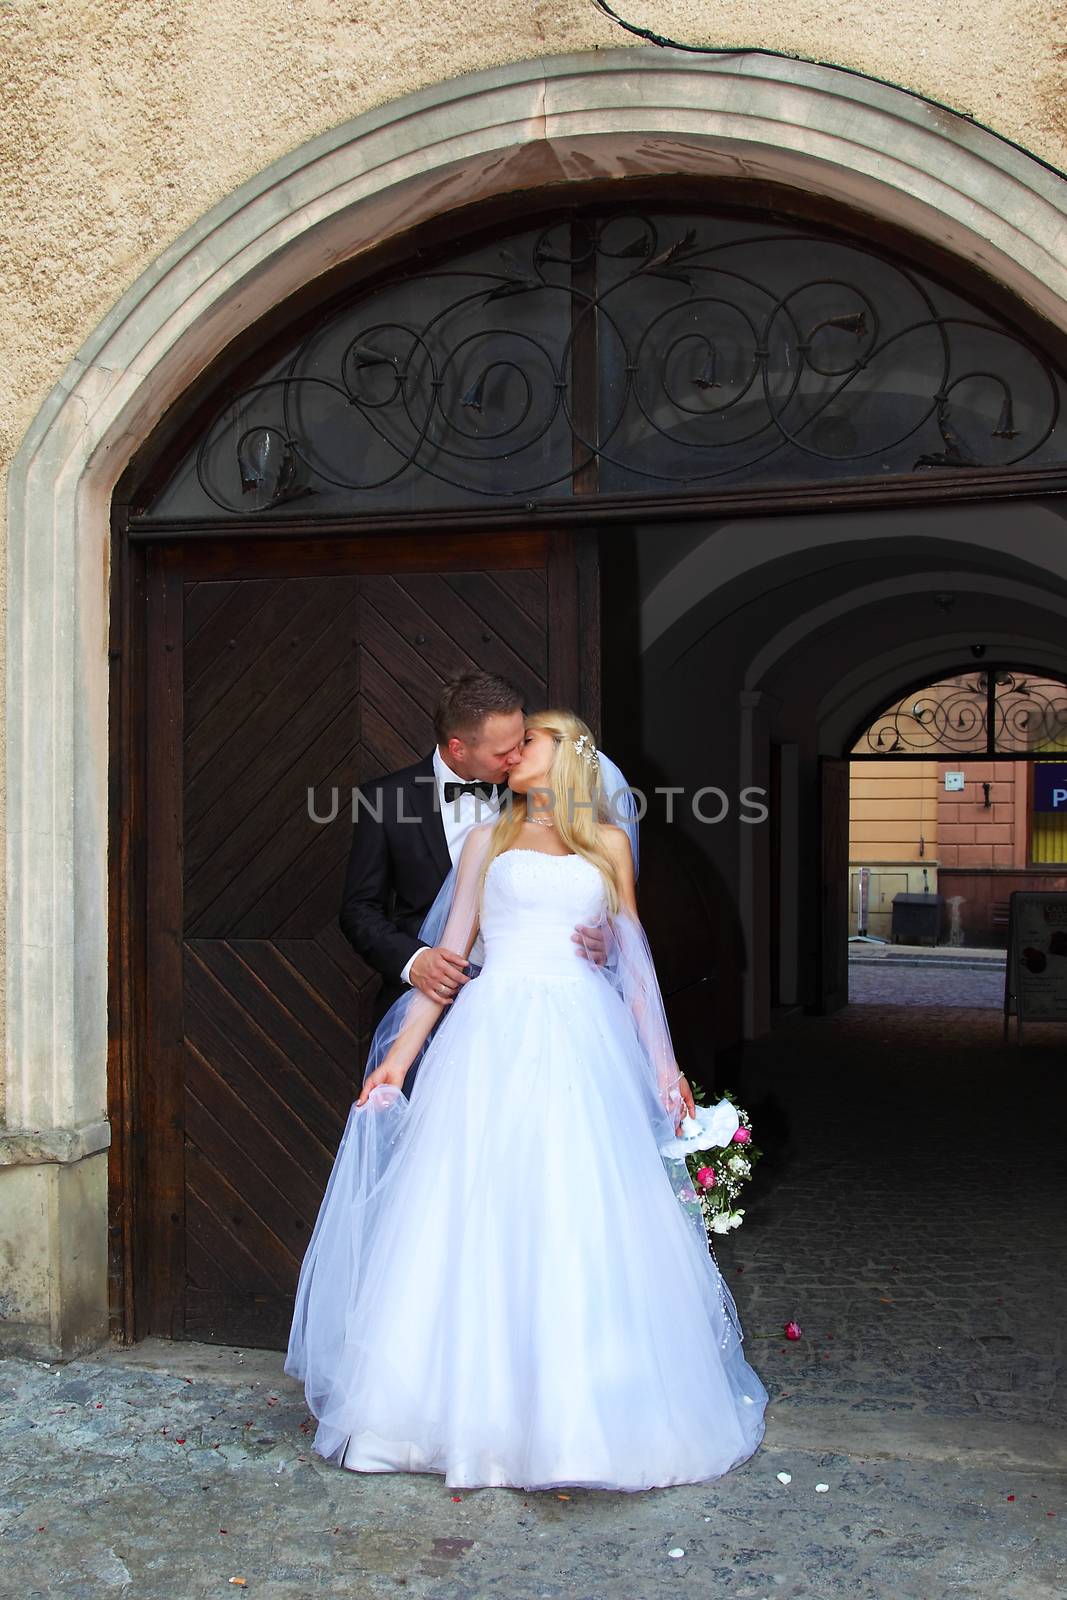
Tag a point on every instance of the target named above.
point(719, 1157)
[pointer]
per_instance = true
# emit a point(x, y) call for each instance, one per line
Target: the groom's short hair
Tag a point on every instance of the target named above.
point(467, 700)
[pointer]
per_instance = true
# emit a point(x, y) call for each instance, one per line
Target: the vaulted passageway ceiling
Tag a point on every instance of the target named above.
point(695, 577)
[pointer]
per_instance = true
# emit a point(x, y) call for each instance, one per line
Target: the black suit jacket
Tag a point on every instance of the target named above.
point(398, 861)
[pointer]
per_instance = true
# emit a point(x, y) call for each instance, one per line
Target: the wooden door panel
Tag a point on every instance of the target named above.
point(385, 745)
point(304, 685)
point(268, 835)
point(442, 598)
point(422, 633)
point(274, 740)
point(517, 632)
point(219, 1055)
point(315, 908)
point(314, 669)
point(528, 589)
point(289, 979)
point(225, 689)
point(202, 601)
point(386, 652)
point(457, 636)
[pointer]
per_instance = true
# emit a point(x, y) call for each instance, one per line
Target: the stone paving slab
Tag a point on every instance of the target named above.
point(164, 1482)
point(861, 950)
point(908, 1213)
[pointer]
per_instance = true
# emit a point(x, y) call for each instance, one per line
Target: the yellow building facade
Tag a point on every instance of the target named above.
point(959, 825)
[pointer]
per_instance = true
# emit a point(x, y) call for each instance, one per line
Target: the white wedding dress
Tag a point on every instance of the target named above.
point(503, 1286)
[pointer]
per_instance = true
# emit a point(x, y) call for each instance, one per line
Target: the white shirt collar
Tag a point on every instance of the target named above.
point(442, 771)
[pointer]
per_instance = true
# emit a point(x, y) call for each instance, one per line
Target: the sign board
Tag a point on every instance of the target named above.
point(1050, 786)
point(1035, 977)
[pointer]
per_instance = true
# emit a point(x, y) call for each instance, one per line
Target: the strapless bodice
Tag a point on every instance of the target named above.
point(531, 905)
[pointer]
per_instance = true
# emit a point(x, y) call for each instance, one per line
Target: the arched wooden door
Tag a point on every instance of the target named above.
point(278, 678)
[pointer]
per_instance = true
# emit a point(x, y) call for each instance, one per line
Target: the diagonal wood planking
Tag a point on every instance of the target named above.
point(295, 684)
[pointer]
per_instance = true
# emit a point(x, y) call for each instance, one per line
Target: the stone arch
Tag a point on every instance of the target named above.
point(562, 120)
point(852, 698)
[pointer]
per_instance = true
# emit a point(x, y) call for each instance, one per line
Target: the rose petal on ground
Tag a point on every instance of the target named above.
point(785, 1477)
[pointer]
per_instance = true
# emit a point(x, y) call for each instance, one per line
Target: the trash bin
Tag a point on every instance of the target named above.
point(917, 918)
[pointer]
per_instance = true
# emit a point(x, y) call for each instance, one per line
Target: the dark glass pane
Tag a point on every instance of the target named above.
point(734, 353)
point(701, 351)
point(442, 389)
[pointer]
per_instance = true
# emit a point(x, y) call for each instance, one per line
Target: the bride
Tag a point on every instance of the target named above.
point(503, 1285)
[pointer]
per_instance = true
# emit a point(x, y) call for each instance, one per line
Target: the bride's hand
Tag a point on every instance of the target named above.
point(390, 1071)
point(681, 1092)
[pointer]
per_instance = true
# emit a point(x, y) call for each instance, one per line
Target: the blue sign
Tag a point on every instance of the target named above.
point(1050, 786)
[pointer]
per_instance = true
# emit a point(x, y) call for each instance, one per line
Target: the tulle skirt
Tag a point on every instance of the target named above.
point(502, 1285)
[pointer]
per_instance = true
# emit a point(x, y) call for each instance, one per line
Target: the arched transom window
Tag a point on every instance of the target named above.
point(624, 354)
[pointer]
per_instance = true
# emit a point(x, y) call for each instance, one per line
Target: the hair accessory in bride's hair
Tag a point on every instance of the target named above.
point(587, 750)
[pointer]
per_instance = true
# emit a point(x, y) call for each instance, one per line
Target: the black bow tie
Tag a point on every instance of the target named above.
point(488, 791)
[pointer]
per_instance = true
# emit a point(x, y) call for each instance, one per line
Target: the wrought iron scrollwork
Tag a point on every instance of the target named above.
point(662, 352)
point(994, 712)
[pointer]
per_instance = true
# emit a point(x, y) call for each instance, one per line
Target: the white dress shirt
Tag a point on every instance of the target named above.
point(459, 817)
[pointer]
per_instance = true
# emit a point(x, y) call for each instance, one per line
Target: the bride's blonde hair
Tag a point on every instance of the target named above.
point(577, 801)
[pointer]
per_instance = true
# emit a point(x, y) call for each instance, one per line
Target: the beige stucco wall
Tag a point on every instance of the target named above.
point(122, 121)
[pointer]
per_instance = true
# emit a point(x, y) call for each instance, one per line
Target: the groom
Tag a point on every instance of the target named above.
point(411, 829)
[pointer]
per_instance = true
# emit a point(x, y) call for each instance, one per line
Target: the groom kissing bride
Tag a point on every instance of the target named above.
point(410, 831)
point(506, 1282)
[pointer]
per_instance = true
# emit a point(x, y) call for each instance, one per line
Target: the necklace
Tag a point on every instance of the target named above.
point(542, 822)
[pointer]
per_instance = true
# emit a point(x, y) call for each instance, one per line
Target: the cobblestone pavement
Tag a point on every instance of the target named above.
point(892, 983)
point(908, 1213)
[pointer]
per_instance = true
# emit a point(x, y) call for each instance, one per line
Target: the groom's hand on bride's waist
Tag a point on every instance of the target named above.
point(439, 973)
point(592, 942)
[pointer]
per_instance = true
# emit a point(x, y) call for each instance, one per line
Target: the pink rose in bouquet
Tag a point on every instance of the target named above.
point(717, 1178)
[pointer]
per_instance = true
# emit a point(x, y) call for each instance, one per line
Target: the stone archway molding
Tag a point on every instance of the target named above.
point(562, 120)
